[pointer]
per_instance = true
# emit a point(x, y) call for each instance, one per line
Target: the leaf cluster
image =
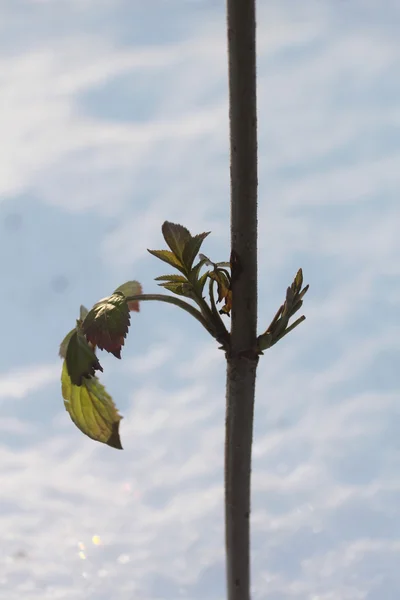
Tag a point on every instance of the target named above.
point(278, 327)
point(183, 250)
point(105, 327)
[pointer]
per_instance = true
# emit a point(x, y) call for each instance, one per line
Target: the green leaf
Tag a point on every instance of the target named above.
point(173, 278)
point(202, 280)
point(192, 248)
point(131, 288)
point(168, 257)
point(182, 289)
point(83, 311)
point(195, 272)
point(80, 359)
point(298, 281)
point(91, 409)
point(183, 246)
point(107, 324)
point(64, 344)
point(176, 237)
point(304, 291)
point(279, 326)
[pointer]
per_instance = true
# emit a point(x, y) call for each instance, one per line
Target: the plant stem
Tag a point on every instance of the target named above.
point(209, 315)
point(172, 300)
point(243, 356)
point(223, 334)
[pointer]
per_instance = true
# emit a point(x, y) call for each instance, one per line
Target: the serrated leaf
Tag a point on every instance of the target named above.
point(176, 237)
point(168, 257)
point(173, 278)
point(131, 288)
point(92, 409)
point(182, 289)
point(192, 248)
point(80, 359)
point(107, 323)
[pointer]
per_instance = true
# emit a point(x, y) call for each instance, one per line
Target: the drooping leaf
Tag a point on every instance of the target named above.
point(224, 291)
point(176, 237)
point(182, 289)
point(192, 248)
point(107, 323)
point(92, 409)
point(168, 257)
point(80, 358)
point(64, 344)
point(222, 284)
point(131, 288)
point(226, 309)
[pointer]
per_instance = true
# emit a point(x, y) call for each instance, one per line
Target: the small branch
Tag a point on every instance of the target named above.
point(223, 333)
point(207, 312)
point(177, 302)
